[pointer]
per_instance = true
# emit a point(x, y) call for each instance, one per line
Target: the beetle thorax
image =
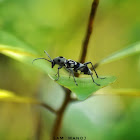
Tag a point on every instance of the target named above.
point(60, 60)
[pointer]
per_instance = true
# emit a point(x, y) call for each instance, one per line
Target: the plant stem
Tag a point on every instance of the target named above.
point(89, 30)
point(60, 113)
point(48, 107)
point(38, 126)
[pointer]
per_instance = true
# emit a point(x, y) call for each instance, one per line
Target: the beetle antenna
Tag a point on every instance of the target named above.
point(41, 58)
point(48, 55)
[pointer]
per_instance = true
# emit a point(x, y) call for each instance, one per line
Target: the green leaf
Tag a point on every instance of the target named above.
point(121, 92)
point(128, 51)
point(85, 85)
point(16, 49)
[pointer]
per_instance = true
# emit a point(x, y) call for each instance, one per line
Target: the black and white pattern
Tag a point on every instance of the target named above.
point(71, 66)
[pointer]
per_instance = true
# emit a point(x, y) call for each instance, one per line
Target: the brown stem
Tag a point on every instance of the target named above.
point(39, 120)
point(48, 107)
point(89, 30)
point(60, 114)
point(38, 126)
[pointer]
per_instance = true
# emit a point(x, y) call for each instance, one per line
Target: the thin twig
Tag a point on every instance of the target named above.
point(48, 107)
point(60, 113)
point(38, 126)
point(89, 30)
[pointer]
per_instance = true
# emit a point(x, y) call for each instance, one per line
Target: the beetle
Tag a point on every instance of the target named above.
point(71, 66)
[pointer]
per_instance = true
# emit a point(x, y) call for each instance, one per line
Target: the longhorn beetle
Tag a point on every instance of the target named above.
point(71, 66)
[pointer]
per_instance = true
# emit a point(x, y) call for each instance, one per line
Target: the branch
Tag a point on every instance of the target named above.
point(89, 30)
point(68, 99)
point(38, 133)
point(48, 107)
point(60, 114)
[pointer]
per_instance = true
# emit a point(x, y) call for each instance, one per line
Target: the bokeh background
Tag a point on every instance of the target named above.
point(59, 27)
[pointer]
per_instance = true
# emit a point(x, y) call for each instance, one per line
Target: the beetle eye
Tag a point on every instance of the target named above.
point(58, 60)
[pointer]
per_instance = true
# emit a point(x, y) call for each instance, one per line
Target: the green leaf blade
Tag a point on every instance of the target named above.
point(128, 51)
point(85, 85)
point(124, 92)
point(18, 50)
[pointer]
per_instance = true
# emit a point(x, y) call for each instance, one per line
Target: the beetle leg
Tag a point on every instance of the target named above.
point(94, 70)
point(58, 73)
point(94, 81)
point(69, 75)
point(73, 77)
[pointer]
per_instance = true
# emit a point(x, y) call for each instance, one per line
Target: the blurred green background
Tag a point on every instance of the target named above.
point(59, 26)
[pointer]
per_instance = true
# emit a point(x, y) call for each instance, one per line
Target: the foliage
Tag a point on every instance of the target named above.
point(30, 27)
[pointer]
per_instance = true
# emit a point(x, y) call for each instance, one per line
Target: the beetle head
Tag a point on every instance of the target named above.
point(53, 63)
